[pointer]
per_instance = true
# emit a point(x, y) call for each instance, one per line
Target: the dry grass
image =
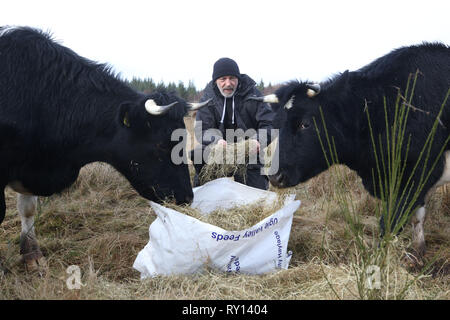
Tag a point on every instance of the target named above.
point(100, 224)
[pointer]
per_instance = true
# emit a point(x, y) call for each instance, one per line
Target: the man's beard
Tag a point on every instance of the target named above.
point(227, 95)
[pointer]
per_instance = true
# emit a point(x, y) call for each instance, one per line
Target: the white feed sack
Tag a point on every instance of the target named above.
point(180, 244)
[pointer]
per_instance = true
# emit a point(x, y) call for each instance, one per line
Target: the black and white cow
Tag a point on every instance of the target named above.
point(60, 111)
point(345, 99)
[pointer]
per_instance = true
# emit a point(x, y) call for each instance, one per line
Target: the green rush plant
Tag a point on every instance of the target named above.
point(376, 262)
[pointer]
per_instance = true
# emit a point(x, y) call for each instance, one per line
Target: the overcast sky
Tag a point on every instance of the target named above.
point(276, 40)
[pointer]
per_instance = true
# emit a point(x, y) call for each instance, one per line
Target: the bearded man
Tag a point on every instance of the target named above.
point(228, 111)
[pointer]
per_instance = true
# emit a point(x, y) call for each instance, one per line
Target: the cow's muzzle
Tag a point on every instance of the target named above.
point(278, 180)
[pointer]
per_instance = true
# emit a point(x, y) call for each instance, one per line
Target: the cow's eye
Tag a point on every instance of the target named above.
point(303, 125)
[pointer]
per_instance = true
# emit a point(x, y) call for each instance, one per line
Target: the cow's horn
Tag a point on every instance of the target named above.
point(153, 108)
point(313, 90)
point(271, 98)
point(192, 106)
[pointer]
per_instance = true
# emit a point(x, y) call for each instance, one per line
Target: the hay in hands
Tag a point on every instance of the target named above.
point(229, 160)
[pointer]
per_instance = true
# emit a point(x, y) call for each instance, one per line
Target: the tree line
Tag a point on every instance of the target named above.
point(188, 92)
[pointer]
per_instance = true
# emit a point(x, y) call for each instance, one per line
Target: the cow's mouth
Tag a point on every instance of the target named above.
point(161, 195)
point(280, 180)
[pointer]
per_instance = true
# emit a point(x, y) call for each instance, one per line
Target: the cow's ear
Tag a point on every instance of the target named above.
point(124, 114)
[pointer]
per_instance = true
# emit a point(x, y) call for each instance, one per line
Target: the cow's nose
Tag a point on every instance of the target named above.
point(188, 199)
point(277, 179)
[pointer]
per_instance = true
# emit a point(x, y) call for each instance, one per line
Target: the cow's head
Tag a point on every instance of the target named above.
point(143, 145)
point(300, 153)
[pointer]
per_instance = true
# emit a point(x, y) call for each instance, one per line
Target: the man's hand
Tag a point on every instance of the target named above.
point(222, 143)
point(254, 146)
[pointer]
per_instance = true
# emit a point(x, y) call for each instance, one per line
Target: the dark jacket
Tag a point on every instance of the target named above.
point(248, 114)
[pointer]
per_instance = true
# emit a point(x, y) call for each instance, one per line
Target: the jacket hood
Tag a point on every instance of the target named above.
point(246, 84)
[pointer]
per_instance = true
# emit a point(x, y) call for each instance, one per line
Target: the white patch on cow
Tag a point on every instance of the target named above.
point(418, 236)
point(26, 205)
point(418, 219)
point(420, 214)
point(445, 178)
point(290, 103)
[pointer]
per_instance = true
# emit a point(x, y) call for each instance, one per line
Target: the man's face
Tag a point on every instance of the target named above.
point(227, 85)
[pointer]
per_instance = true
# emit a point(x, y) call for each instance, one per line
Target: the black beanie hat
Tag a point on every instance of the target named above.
point(225, 67)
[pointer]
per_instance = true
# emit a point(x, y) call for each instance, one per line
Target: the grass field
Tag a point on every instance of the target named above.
point(100, 224)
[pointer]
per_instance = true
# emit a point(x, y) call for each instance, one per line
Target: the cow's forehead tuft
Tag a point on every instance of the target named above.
point(293, 88)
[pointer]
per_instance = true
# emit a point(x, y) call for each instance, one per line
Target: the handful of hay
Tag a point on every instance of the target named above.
point(229, 160)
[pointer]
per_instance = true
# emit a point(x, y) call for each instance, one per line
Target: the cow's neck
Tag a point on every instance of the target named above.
point(348, 125)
